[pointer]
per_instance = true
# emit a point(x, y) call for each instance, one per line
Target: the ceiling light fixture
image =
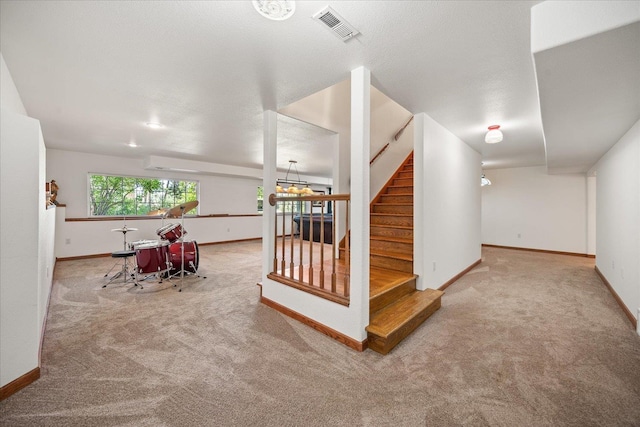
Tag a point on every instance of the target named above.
point(484, 181)
point(292, 188)
point(277, 10)
point(154, 125)
point(133, 144)
point(494, 135)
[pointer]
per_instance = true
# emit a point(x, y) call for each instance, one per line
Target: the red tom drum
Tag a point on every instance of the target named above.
point(191, 256)
point(171, 232)
point(152, 257)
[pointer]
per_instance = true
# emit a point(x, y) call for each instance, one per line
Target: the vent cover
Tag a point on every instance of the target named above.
point(334, 22)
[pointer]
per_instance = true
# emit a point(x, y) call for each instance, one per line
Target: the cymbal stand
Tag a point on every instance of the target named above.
point(181, 239)
point(124, 271)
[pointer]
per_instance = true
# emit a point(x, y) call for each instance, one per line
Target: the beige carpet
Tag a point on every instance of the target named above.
point(525, 339)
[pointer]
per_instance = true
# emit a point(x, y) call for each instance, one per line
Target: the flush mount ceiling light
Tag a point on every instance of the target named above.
point(154, 125)
point(494, 135)
point(133, 144)
point(278, 10)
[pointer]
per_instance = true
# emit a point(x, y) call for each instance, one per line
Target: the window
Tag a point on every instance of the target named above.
point(122, 195)
point(260, 199)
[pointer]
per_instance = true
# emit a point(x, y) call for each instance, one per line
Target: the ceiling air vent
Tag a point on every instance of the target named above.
point(338, 26)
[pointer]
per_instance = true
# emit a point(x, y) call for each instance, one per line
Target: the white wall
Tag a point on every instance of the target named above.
point(26, 247)
point(591, 215)
point(9, 96)
point(618, 217)
point(19, 222)
point(528, 208)
point(446, 204)
point(218, 195)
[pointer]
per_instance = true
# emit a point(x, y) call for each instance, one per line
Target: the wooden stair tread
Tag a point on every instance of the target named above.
point(391, 214)
point(393, 204)
point(394, 255)
point(394, 316)
point(402, 227)
point(383, 279)
point(391, 239)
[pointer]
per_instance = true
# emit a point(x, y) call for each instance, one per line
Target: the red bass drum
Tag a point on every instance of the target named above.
point(191, 257)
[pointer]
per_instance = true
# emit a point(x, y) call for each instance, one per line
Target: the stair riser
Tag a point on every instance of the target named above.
point(396, 198)
point(403, 181)
point(384, 346)
point(398, 209)
point(391, 263)
point(390, 296)
point(391, 232)
point(386, 246)
point(383, 219)
point(405, 174)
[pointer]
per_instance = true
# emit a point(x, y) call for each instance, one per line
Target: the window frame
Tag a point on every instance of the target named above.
point(89, 188)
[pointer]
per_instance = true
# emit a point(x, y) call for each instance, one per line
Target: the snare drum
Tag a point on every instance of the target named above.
point(171, 232)
point(142, 243)
point(152, 257)
point(191, 256)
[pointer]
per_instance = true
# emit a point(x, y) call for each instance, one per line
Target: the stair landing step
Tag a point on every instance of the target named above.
point(395, 322)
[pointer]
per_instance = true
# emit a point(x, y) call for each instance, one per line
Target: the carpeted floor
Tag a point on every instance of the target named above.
point(525, 339)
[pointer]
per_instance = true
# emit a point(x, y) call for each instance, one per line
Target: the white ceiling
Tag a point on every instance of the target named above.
point(94, 72)
point(590, 96)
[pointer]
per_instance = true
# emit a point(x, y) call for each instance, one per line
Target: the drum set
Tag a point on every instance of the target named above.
point(171, 256)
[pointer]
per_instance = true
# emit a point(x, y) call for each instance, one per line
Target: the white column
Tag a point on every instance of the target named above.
point(341, 175)
point(418, 200)
point(269, 184)
point(359, 212)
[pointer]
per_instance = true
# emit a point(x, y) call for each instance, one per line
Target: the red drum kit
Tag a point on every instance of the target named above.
point(171, 232)
point(171, 256)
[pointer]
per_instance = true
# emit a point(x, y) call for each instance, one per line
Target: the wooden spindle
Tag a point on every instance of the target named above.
point(291, 263)
point(275, 241)
point(283, 260)
point(300, 235)
point(322, 244)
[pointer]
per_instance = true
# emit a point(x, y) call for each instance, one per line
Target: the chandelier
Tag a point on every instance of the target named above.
point(293, 189)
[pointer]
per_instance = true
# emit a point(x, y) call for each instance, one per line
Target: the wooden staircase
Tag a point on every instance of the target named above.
point(396, 307)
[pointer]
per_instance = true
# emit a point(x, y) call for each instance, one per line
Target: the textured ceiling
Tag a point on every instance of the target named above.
point(94, 72)
point(590, 96)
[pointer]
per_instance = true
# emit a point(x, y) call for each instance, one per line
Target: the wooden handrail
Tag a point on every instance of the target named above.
point(311, 198)
point(382, 150)
point(395, 138)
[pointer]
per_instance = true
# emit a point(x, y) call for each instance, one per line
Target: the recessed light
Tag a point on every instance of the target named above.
point(154, 125)
point(277, 10)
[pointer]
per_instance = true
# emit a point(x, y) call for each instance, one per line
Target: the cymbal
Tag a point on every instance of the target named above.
point(177, 211)
point(157, 212)
point(124, 229)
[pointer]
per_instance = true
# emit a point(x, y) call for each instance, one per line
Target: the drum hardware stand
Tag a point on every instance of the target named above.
point(122, 254)
point(182, 270)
